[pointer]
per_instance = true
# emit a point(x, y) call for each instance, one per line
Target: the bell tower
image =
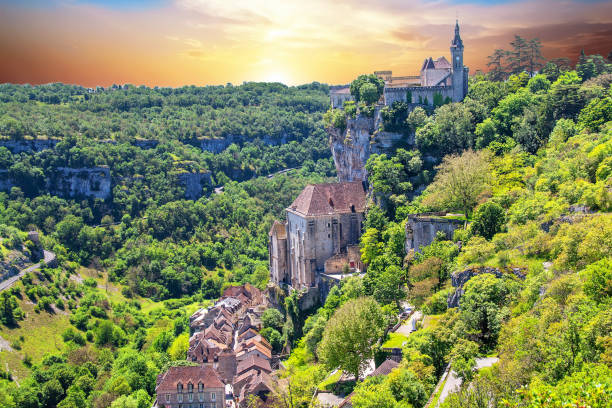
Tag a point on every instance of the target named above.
point(459, 73)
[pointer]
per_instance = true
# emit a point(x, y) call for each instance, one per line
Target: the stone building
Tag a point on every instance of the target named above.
point(198, 386)
point(437, 80)
point(421, 229)
point(324, 223)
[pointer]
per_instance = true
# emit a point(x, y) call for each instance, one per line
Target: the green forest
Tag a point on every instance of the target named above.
point(525, 162)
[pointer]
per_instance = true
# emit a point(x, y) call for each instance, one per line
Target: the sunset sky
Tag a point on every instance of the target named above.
point(184, 42)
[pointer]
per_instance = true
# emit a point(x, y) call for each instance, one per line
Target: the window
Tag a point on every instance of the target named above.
point(179, 388)
point(212, 396)
point(180, 397)
point(200, 387)
point(190, 387)
point(201, 396)
point(190, 397)
point(167, 397)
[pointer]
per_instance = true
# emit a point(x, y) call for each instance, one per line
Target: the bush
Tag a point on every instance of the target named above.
point(488, 220)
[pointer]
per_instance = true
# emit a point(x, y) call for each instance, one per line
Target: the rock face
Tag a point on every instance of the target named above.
point(20, 146)
point(421, 229)
point(145, 144)
point(352, 147)
point(194, 183)
point(458, 279)
point(92, 182)
point(6, 183)
point(218, 145)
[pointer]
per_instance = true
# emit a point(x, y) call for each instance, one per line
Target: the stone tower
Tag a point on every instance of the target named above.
point(459, 72)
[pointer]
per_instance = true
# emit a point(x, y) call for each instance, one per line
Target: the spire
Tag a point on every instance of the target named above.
point(457, 40)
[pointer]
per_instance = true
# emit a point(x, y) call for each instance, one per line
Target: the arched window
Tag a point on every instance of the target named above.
point(179, 387)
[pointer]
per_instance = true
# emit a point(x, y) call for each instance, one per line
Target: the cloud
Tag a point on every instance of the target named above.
point(174, 42)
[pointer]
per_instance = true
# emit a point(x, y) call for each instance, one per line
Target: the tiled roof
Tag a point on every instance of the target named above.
point(385, 368)
point(278, 228)
point(184, 375)
point(330, 198)
point(442, 63)
point(253, 362)
point(343, 91)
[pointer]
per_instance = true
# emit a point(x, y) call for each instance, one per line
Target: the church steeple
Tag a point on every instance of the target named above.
point(457, 40)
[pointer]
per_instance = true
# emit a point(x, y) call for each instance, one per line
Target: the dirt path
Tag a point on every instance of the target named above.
point(453, 382)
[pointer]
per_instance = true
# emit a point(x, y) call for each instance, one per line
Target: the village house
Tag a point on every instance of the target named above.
point(194, 387)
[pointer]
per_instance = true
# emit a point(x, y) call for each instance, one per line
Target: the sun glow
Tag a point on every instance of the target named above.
point(277, 76)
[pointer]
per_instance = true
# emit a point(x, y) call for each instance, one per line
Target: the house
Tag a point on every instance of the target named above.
point(182, 387)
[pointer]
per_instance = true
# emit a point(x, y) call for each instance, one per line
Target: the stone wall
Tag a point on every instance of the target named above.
point(194, 183)
point(418, 94)
point(458, 279)
point(421, 229)
point(20, 146)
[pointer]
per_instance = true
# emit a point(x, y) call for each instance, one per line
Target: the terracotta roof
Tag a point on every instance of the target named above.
point(385, 368)
point(330, 198)
point(442, 63)
point(175, 375)
point(343, 91)
point(253, 362)
point(278, 229)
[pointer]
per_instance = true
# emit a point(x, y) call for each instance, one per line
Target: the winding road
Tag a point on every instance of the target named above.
point(7, 283)
point(453, 383)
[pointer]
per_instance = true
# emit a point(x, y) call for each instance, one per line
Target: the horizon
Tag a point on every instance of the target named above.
point(175, 43)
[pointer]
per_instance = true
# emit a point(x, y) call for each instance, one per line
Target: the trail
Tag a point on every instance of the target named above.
point(7, 283)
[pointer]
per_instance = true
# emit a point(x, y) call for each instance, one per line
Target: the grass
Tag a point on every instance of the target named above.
point(331, 380)
point(42, 333)
point(431, 320)
point(394, 340)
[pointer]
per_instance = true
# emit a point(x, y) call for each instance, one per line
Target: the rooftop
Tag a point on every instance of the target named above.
point(168, 381)
point(330, 198)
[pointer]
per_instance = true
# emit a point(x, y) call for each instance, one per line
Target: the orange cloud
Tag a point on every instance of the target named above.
point(217, 41)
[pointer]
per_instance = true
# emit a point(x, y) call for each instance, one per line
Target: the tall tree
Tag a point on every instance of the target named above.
point(518, 58)
point(534, 55)
point(350, 335)
point(461, 179)
point(496, 65)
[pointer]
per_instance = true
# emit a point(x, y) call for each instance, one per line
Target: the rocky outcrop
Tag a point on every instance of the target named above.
point(458, 279)
point(145, 144)
point(194, 183)
point(6, 183)
point(20, 146)
point(90, 182)
point(421, 229)
point(351, 147)
point(220, 144)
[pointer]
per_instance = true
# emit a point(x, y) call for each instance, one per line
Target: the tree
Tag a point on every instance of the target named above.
point(597, 279)
point(460, 180)
point(178, 349)
point(463, 359)
point(351, 334)
point(488, 219)
point(496, 65)
point(357, 84)
point(369, 93)
point(274, 338)
point(518, 58)
point(534, 56)
point(373, 394)
point(273, 318)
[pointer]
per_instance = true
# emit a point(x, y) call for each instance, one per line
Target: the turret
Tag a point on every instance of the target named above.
point(459, 73)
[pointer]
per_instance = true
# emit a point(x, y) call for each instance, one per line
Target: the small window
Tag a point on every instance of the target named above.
point(190, 387)
point(212, 396)
point(167, 397)
point(179, 387)
point(190, 397)
point(200, 387)
point(201, 396)
point(328, 236)
point(180, 397)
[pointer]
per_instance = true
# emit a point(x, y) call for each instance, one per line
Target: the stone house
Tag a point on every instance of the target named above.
point(196, 387)
point(325, 221)
point(421, 229)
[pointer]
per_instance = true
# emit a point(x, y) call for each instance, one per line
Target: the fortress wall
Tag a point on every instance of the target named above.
point(421, 230)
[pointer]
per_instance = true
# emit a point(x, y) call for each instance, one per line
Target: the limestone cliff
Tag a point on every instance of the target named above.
point(351, 147)
point(21, 146)
point(194, 183)
point(93, 182)
point(218, 145)
point(458, 279)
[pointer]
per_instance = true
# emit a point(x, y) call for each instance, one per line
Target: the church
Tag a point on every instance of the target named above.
point(439, 79)
point(319, 241)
